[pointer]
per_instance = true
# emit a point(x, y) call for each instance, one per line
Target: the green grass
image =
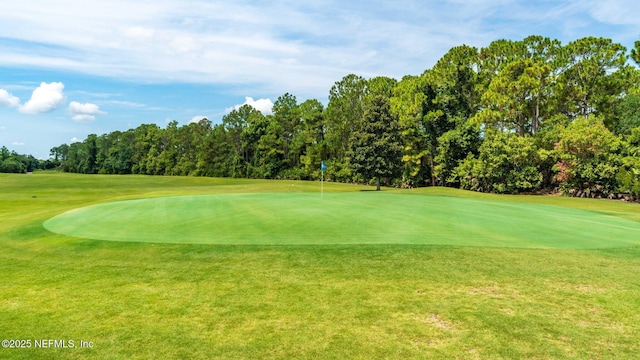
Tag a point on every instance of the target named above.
point(345, 218)
point(154, 300)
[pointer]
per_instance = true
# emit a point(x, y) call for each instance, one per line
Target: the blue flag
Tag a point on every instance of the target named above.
point(322, 166)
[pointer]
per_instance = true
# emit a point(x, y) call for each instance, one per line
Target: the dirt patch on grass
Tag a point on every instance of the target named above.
point(441, 323)
point(492, 291)
point(431, 319)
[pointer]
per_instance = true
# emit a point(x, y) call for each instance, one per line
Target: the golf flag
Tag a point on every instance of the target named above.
point(322, 168)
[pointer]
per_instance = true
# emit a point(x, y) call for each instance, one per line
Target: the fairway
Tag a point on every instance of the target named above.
point(345, 218)
point(212, 268)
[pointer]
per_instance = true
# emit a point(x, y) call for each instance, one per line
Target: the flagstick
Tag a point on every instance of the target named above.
point(322, 168)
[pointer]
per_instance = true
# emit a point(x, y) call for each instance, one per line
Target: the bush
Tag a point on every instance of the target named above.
point(506, 163)
point(628, 175)
point(589, 157)
point(11, 165)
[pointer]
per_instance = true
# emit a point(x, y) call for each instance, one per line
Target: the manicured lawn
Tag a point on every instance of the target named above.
point(345, 218)
point(556, 299)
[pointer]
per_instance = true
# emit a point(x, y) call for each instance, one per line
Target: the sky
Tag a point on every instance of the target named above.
point(72, 68)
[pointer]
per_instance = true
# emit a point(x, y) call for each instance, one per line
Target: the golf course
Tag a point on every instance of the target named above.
point(146, 267)
point(344, 218)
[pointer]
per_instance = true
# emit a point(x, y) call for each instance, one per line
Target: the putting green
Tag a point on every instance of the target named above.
point(345, 218)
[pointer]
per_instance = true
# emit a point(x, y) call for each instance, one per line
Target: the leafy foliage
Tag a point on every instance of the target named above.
point(628, 176)
point(506, 163)
point(510, 117)
point(589, 157)
point(12, 162)
point(376, 148)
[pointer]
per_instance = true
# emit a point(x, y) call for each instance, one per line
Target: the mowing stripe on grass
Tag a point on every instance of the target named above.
point(345, 218)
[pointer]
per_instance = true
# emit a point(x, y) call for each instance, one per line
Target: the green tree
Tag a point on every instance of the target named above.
point(506, 163)
point(517, 95)
point(188, 143)
point(589, 82)
point(145, 143)
point(344, 113)
point(454, 146)
point(270, 150)
point(165, 160)
point(628, 176)
point(214, 154)
point(287, 113)
point(376, 150)
point(257, 125)
point(12, 165)
point(452, 98)
point(74, 157)
point(4, 153)
point(455, 80)
point(628, 114)
point(635, 52)
point(59, 154)
point(235, 124)
point(309, 142)
point(408, 105)
point(379, 86)
point(86, 155)
point(12, 162)
point(493, 58)
point(513, 98)
point(588, 156)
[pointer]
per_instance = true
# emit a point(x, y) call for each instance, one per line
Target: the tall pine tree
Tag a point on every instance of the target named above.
point(376, 148)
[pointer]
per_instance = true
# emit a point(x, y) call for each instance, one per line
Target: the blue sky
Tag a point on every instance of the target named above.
point(70, 68)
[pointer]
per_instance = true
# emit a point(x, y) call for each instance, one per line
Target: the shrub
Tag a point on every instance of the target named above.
point(506, 163)
point(588, 156)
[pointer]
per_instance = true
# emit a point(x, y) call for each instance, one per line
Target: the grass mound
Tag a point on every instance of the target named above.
point(345, 218)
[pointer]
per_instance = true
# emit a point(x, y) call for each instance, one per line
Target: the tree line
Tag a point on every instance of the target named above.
point(12, 162)
point(512, 117)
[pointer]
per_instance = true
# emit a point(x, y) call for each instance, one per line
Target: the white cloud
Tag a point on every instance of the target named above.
point(265, 106)
point(86, 108)
point(17, 143)
point(46, 98)
point(74, 140)
point(139, 33)
point(83, 118)
point(185, 44)
point(617, 12)
point(197, 118)
point(298, 47)
point(125, 103)
point(84, 112)
point(6, 99)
